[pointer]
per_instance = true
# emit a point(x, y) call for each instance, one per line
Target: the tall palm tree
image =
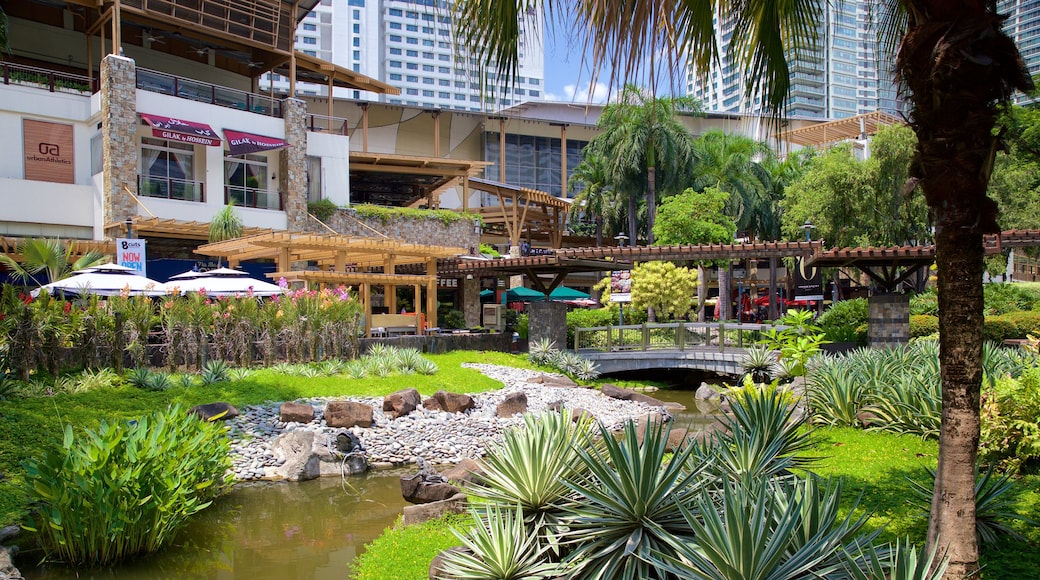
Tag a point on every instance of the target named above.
point(596, 197)
point(50, 257)
point(644, 141)
point(736, 164)
point(958, 67)
point(225, 225)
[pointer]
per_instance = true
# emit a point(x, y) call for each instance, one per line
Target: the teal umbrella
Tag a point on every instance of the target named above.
point(487, 295)
point(521, 294)
point(567, 293)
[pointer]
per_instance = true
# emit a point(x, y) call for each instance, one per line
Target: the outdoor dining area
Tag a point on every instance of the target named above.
point(117, 280)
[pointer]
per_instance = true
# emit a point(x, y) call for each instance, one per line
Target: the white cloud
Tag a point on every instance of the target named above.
point(587, 93)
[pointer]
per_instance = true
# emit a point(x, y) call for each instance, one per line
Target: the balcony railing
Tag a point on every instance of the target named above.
point(326, 124)
point(157, 82)
point(252, 197)
point(168, 188)
point(54, 81)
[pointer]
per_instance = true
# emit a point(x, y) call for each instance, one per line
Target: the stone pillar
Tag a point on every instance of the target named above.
point(889, 320)
point(119, 137)
point(471, 301)
point(292, 175)
point(547, 320)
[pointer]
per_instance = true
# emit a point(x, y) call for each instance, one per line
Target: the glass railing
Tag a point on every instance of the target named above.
point(326, 124)
point(163, 83)
point(169, 188)
point(54, 81)
point(252, 197)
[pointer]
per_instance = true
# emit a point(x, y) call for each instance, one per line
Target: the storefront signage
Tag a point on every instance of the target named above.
point(173, 129)
point(48, 151)
point(131, 253)
point(808, 281)
point(241, 143)
point(621, 286)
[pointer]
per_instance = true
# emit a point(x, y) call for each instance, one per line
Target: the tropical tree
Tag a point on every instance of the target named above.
point(736, 164)
point(958, 67)
point(225, 225)
point(663, 288)
point(49, 257)
point(596, 198)
point(644, 143)
point(4, 47)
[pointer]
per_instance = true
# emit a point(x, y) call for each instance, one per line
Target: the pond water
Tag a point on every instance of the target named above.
point(698, 414)
point(310, 530)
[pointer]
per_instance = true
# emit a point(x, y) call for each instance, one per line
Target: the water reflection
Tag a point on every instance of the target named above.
point(310, 530)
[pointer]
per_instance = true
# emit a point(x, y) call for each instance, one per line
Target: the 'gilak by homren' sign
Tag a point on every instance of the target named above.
point(48, 151)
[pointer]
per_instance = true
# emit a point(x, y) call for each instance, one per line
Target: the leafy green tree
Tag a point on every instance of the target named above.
point(957, 67)
point(225, 225)
point(1015, 184)
point(663, 288)
point(856, 202)
point(644, 144)
point(734, 164)
point(596, 198)
point(50, 257)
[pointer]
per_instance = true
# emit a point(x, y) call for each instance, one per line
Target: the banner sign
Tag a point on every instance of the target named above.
point(47, 149)
point(808, 281)
point(131, 253)
point(241, 143)
point(621, 286)
point(173, 129)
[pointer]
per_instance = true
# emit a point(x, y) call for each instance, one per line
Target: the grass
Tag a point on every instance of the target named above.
point(32, 424)
point(404, 552)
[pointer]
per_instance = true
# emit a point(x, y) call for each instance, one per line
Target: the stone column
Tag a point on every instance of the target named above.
point(547, 320)
point(119, 137)
point(292, 175)
point(889, 320)
point(471, 301)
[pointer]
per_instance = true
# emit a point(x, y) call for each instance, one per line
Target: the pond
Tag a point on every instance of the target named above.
point(310, 530)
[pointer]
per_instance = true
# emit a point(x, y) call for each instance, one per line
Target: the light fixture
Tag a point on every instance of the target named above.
point(621, 239)
point(476, 226)
point(129, 228)
point(808, 227)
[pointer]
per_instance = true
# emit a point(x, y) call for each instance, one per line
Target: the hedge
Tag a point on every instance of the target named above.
point(996, 328)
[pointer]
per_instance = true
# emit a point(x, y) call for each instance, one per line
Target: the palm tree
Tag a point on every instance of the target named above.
point(643, 141)
point(736, 164)
point(3, 31)
point(596, 198)
point(53, 258)
point(958, 67)
point(225, 225)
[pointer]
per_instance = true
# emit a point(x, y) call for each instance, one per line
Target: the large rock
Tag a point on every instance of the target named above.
point(436, 571)
point(7, 569)
point(10, 532)
point(417, 514)
point(308, 455)
point(466, 471)
point(212, 411)
point(677, 436)
point(347, 414)
point(706, 393)
point(514, 404)
point(617, 392)
point(450, 402)
point(422, 488)
point(401, 403)
point(553, 381)
point(295, 413)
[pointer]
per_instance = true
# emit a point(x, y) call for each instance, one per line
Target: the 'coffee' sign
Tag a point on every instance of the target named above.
point(131, 253)
point(48, 151)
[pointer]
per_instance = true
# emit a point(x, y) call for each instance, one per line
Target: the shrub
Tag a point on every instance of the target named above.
point(127, 488)
point(925, 303)
point(322, 209)
point(840, 321)
point(1010, 434)
point(1000, 328)
point(1007, 298)
point(923, 325)
point(521, 327)
point(453, 319)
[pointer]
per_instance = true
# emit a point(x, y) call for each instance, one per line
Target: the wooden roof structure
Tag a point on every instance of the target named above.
point(520, 208)
point(889, 267)
point(347, 260)
point(9, 247)
point(823, 134)
point(156, 227)
point(536, 268)
point(405, 180)
point(696, 252)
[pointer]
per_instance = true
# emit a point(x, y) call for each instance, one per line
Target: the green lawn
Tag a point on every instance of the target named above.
point(31, 424)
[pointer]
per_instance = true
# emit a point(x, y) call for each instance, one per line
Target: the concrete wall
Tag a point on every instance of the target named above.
point(547, 320)
point(888, 323)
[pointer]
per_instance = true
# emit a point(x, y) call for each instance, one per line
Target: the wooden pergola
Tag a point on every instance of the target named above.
point(824, 134)
point(344, 260)
point(406, 180)
point(519, 208)
point(156, 227)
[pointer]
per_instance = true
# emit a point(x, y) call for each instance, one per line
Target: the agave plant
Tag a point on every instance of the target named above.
point(426, 367)
point(836, 394)
point(758, 362)
point(541, 351)
point(994, 504)
point(499, 548)
point(138, 377)
point(89, 380)
point(379, 349)
point(215, 371)
point(356, 369)
point(158, 382)
point(586, 369)
point(901, 561)
point(627, 504)
point(239, 374)
point(187, 380)
point(331, 367)
point(784, 370)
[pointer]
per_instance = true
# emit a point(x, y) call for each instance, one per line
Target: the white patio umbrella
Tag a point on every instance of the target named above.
point(105, 280)
point(223, 282)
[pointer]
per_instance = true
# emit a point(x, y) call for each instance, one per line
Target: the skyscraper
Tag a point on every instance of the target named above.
point(412, 44)
point(1023, 25)
point(845, 77)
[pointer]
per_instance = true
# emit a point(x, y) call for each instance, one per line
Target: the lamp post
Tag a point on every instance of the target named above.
point(621, 239)
point(808, 227)
point(129, 228)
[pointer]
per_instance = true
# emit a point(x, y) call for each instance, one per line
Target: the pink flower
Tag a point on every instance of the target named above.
point(283, 283)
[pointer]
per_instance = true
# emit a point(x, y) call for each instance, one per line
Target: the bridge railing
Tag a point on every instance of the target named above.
point(673, 336)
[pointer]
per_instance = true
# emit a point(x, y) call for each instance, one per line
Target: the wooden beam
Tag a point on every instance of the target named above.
point(364, 127)
point(431, 294)
point(502, 149)
point(436, 133)
point(117, 25)
point(402, 169)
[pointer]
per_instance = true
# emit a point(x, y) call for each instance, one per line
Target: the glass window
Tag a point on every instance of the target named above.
point(245, 182)
point(307, 26)
point(310, 40)
point(395, 38)
point(412, 53)
point(411, 28)
point(413, 78)
point(395, 64)
point(396, 51)
point(168, 170)
point(412, 66)
point(357, 28)
point(395, 76)
point(395, 12)
point(395, 26)
point(412, 91)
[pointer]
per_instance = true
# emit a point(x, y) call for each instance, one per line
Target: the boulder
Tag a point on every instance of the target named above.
point(419, 513)
point(401, 403)
point(577, 414)
point(466, 471)
point(7, 569)
point(347, 414)
point(558, 381)
point(436, 571)
point(295, 413)
point(450, 402)
point(9, 532)
point(706, 393)
point(866, 419)
point(424, 488)
point(676, 436)
point(213, 411)
point(308, 455)
point(617, 392)
point(514, 404)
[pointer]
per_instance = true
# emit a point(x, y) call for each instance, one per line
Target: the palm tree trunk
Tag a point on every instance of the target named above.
point(651, 202)
point(959, 259)
point(599, 230)
point(702, 291)
point(633, 232)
